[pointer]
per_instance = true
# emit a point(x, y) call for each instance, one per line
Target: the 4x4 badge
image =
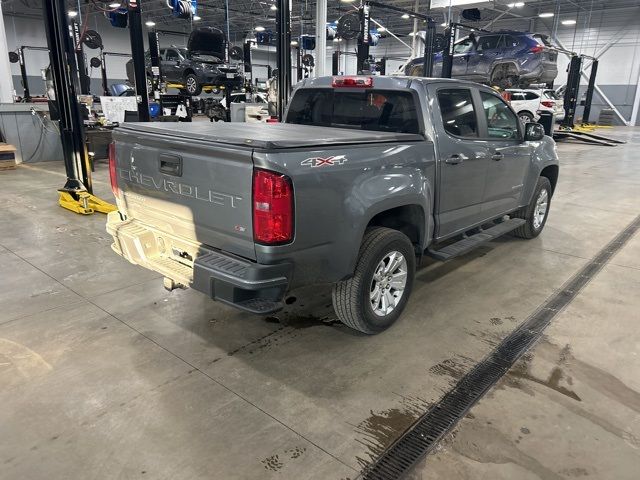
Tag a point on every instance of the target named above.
point(324, 161)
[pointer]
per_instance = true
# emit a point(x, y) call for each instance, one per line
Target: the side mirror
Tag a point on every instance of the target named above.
point(533, 132)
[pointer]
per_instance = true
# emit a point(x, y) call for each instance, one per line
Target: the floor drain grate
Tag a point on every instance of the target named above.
point(436, 422)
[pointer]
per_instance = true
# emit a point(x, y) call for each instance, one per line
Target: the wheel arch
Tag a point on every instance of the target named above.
point(409, 219)
point(551, 172)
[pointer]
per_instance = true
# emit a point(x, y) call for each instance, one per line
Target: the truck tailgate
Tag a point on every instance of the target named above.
point(190, 188)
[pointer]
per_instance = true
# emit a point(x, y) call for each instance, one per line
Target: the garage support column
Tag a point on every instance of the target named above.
point(283, 47)
point(137, 53)
point(6, 80)
point(321, 38)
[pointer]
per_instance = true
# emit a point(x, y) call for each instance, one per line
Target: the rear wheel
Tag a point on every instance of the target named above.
point(525, 117)
point(191, 85)
point(535, 214)
point(504, 76)
point(373, 299)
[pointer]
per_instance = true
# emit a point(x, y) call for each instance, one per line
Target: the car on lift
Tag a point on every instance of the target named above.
point(198, 66)
point(504, 59)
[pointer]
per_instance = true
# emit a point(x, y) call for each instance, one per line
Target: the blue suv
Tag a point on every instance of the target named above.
point(504, 59)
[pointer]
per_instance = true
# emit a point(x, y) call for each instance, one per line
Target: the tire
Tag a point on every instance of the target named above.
point(192, 85)
point(534, 222)
point(352, 300)
point(525, 117)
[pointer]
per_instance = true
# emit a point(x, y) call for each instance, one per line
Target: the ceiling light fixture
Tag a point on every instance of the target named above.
point(405, 16)
point(259, 29)
point(196, 18)
point(294, 43)
point(568, 22)
point(150, 23)
point(546, 14)
point(515, 5)
point(72, 13)
point(115, 5)
point(273, 7)
point(382, 29)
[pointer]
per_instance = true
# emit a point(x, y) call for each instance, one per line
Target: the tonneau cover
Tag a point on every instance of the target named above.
point(267, 136)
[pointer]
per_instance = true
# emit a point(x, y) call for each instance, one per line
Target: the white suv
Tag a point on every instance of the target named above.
point(528, 103)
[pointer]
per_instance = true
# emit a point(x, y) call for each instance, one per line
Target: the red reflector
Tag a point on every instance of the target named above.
point(272, 208)
point(537, 49)
point(548, 104)
point(113, 174)
point(351, 82)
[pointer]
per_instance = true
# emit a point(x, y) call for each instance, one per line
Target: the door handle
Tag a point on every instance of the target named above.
point(454, 159)
point(171, 165)
point(497, 156)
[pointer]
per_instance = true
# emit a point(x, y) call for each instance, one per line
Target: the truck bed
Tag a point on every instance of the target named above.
point(274, 136)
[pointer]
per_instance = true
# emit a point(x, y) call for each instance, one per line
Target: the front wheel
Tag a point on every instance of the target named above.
point(373, 299)
point(535, 214)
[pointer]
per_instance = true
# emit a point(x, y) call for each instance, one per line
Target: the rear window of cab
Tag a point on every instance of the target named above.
point(370, 109)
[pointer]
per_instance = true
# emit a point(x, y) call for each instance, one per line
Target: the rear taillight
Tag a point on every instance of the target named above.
point(352, 82)
point(113, 172)
point(537, 49)
point(272, 208)
point(548, 104)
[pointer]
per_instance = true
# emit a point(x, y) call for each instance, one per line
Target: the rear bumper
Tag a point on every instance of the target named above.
point(238, 282)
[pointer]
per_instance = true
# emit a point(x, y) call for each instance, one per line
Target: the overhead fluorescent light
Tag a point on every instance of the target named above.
point(294, 43)
point(259, 29)
point(382, 29)
point(568, 22)
point(72, 13)
point(150, 23)
point(196, 18)
point(114, 5)
point(515, 5)
point(273, 7)
point(546, 14)
point(405, 16)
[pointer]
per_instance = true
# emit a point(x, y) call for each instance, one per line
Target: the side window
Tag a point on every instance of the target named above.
point(511, 41)
point(531, 96)
point(489, 42)
point(501, 121)
point(172, 55)
point(518, 96)
point(463, 47)
point(458, 114)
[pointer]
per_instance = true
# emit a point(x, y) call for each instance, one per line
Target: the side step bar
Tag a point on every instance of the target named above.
point(469, 243)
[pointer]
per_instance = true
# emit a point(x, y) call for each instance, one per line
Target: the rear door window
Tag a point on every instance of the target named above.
point(531, 96)
point(501, 121)
point(458, 114)
point(511, 41)
point(376, 110)
point(489, 42)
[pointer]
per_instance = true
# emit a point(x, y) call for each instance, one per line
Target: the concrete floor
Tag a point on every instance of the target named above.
point(104, 374)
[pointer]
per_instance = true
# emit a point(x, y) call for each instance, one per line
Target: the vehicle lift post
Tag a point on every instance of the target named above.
point(283, 46)
point(571, 92)
point(589, 98)
point(85, 81)
point(26, 97)
point(567, 126)
point(137, 53)
point(364, 38)
point(77, 194)
point(156, 64)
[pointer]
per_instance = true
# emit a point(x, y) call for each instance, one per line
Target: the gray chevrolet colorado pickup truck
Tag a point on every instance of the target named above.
point(365, 176)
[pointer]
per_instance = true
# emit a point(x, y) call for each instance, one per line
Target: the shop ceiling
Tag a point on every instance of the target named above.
point(246, 15)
